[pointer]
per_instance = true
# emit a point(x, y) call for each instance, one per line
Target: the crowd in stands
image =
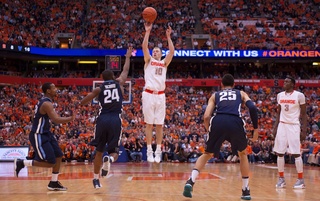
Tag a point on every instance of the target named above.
point(184, 133)
point(265, 24)
point(231, 24)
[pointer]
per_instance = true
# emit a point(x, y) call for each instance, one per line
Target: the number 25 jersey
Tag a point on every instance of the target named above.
point(228, 101)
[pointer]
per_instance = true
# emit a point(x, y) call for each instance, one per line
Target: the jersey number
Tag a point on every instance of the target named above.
point(286, 107)
point(111, 95)
point(158, 71)
point(230, 95)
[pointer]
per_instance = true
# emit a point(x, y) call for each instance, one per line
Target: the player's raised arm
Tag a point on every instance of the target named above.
point(169, 56)
point(124, 74)
point(145, 48)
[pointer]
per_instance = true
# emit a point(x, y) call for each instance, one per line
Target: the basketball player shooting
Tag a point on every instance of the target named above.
point(153, 97)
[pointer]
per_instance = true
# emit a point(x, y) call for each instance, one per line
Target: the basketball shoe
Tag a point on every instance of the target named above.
point(246, 194)
point(281, 183)
point(299, 184)
point(96, 183)
point(150, 157)
point(188, 188)
point(56, 186)
point(18, 165)
point(106, 166)
point(157, 157)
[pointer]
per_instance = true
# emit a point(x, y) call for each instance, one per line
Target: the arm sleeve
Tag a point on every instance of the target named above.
point(253, 113)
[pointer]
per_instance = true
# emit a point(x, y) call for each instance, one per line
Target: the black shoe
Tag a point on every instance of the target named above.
point(96, 183)
point(18, 165)
point(246, 194)
point(56, 186)
point(188, 188)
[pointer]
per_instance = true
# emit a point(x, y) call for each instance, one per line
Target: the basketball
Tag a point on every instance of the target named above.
point(149, 14)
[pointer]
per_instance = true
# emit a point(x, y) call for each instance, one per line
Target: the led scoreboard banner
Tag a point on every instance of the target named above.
point(113, 62)
point(15, 48)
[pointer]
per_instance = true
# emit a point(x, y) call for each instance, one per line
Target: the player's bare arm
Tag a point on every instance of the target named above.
point(253, 114)
point(303, 114)
point(47, 108)
point(145, 48)
point(169, 56)
point(276, 123)
point(90, 96)
point(124, 74)
point(209, 110)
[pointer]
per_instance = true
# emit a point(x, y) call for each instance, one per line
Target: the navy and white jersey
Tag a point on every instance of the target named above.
point(110, 97)
point(228, 101)
point(41, 123)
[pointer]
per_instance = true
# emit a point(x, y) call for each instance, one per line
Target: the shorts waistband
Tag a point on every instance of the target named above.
point(154, 92)
point(289, 123)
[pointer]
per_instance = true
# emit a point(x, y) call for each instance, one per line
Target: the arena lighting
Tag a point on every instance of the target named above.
point(47, 62)
point(87, 62)
point(316, 63)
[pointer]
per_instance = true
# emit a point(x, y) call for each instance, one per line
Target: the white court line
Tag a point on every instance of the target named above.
point(217, 176)
point(268, 166)
point(131, 177)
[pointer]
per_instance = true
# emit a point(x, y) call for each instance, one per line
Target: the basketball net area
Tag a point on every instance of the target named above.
point(127, 96)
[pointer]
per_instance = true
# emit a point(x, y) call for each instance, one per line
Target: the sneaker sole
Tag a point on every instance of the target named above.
point(97, 187)
point(56, 189)
point(282, 186)
point(150, 161)
point(299, 187)
point(157, 161)
point(187, 191)
point(248, 197)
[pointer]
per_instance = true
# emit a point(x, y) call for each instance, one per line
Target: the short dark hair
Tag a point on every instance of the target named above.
point(292, 79)
point(46, 86)
point(107, 74)
point(228, 80)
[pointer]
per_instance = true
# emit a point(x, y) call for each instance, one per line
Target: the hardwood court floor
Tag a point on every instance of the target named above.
point(163, 182)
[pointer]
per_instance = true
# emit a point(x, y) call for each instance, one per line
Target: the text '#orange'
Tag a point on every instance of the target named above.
point(294, 53)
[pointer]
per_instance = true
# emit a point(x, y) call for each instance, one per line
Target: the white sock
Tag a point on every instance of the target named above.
point(111, 159)
point(194, 175)
point(96, 176)
point(149, 147)
point(280, 164)
point(158, 147)
point(54, 177)
point(27, 162)
point(299, 164)
point(245, 183)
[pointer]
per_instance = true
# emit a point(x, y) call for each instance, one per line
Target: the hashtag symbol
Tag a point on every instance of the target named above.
point(264, 54)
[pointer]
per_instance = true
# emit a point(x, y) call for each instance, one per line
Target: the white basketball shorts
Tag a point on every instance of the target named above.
point(287, 139)
point(153, 108)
